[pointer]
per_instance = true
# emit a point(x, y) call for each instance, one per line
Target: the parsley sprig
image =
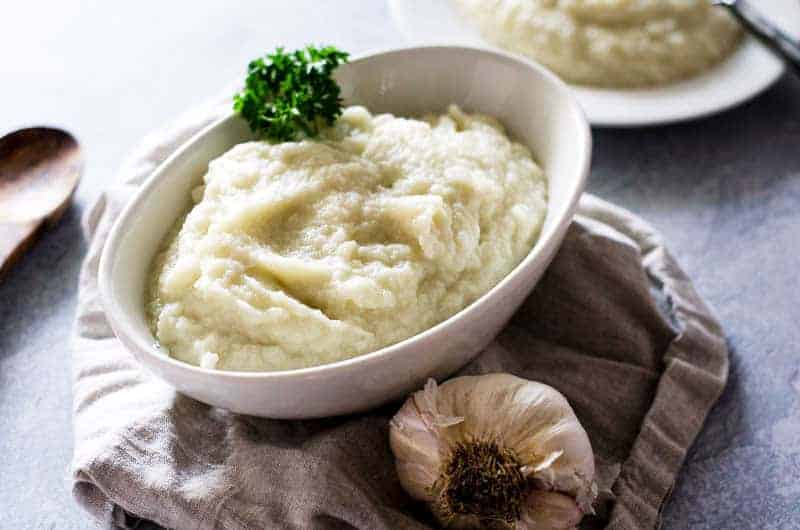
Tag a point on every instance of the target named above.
point(290, 95)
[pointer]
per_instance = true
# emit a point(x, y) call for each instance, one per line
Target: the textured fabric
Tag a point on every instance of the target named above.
point(614, 324)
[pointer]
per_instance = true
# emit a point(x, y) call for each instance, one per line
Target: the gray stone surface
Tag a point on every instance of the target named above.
point(725, 192)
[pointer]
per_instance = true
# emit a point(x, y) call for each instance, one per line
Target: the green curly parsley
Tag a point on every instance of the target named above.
point(291, 95)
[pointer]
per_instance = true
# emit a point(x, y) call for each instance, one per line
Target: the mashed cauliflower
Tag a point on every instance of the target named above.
point(616, 43)
point(305, 253)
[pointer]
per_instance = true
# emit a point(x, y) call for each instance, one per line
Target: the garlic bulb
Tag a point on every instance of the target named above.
point(494, 451)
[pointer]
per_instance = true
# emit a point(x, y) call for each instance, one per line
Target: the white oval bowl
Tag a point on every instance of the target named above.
point(537, 110)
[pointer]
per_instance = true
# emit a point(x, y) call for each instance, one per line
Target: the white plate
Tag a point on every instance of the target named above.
point(749, 71)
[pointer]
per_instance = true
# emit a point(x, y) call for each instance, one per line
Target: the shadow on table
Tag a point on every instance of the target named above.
point(38, 285)
point(749, 149)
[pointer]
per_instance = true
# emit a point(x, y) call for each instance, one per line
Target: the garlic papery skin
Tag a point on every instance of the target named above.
point(494, 451)
point(548, 509)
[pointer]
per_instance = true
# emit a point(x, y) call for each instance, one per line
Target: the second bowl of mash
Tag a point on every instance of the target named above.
point(610, 43)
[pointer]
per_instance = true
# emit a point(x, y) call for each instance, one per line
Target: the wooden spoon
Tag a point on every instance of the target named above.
point(39, 170)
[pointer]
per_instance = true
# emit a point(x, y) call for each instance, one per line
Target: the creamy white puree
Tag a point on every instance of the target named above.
point(618, 43)
point(304, 253)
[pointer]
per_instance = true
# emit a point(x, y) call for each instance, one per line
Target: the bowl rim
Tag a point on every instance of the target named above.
point(117, 316)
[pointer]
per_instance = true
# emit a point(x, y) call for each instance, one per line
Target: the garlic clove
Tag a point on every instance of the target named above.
point(583, 489)
point(417, 450)
point(415, 436)
point(494, 449)
point(417, 479)
point(537, 411)
point(533, 418)
point(548, 510)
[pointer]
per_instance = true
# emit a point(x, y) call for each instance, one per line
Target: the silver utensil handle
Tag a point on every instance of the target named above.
point(778, 41)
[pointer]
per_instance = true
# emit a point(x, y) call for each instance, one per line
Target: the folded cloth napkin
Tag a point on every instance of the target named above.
point(614, 324)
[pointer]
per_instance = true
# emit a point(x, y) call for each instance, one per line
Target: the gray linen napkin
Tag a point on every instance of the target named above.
point(614, 324)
